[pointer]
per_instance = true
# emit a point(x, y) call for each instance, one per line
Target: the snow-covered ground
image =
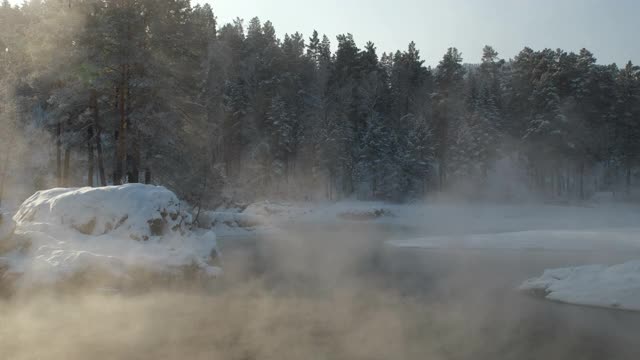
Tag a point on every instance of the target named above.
point(114, 231)
point(615, 286)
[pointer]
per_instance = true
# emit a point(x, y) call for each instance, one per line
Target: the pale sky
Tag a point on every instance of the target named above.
point(609, 28)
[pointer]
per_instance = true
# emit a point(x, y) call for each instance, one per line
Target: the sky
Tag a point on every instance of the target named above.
point(608, 28)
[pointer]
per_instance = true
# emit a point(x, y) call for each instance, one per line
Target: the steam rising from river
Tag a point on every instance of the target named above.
point(313, 293)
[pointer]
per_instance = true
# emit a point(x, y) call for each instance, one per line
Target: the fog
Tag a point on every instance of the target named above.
point(327, 293)
point(97, 92)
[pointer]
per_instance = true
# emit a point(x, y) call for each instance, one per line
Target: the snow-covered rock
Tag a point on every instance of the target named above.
point(117, 231)
point(136, 211)
point(594, 285)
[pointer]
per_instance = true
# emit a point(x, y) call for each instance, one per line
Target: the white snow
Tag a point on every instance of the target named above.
point(113, 230)
point(595, 285)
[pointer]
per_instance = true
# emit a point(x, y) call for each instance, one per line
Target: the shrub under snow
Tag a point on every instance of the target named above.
point(115, 231)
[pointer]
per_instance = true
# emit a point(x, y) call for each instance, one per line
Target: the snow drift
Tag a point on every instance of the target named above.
point(115, 231)
point(615, 286)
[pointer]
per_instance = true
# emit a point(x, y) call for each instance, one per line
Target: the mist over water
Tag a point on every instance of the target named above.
point(230, 114)
point(315, 292)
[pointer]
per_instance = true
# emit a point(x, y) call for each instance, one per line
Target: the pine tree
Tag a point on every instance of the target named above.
point(449, 78)
point(627, 111)
point(122, 87)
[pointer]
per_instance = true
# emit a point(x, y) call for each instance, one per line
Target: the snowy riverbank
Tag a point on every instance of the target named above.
point(119, 230)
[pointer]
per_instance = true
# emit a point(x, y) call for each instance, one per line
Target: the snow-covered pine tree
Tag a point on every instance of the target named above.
point(449, 77)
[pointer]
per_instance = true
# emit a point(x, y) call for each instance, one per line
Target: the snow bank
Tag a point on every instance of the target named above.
point(267, 211)
point(214, 219)
point(257, 218)
point(541, 240)
point(229, 223)
point(595, 285)
point(277, 213)
point(266, 216)
point(116, 231)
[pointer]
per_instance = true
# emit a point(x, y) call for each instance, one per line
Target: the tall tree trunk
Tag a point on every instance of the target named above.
point(374, 186)
point(558, 183)
point(582, 195)
point(5, 169)
point(98, 136)
point(4, 175)
point(90, 159)
point(134, 175)
point(330, 186)
point(67, 167)
point(628, 179)
point(121, 148)
point(201, 196)
point(59, 153)
point(116, 177)
point(443, 140)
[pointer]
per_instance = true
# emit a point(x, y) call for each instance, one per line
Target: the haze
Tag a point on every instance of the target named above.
point(176, 187)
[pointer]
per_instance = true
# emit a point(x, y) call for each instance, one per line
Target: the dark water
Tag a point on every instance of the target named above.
point(329, 292)
point(470, 294)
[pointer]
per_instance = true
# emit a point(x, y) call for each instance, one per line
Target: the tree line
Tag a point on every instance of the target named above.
point(115, 91)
